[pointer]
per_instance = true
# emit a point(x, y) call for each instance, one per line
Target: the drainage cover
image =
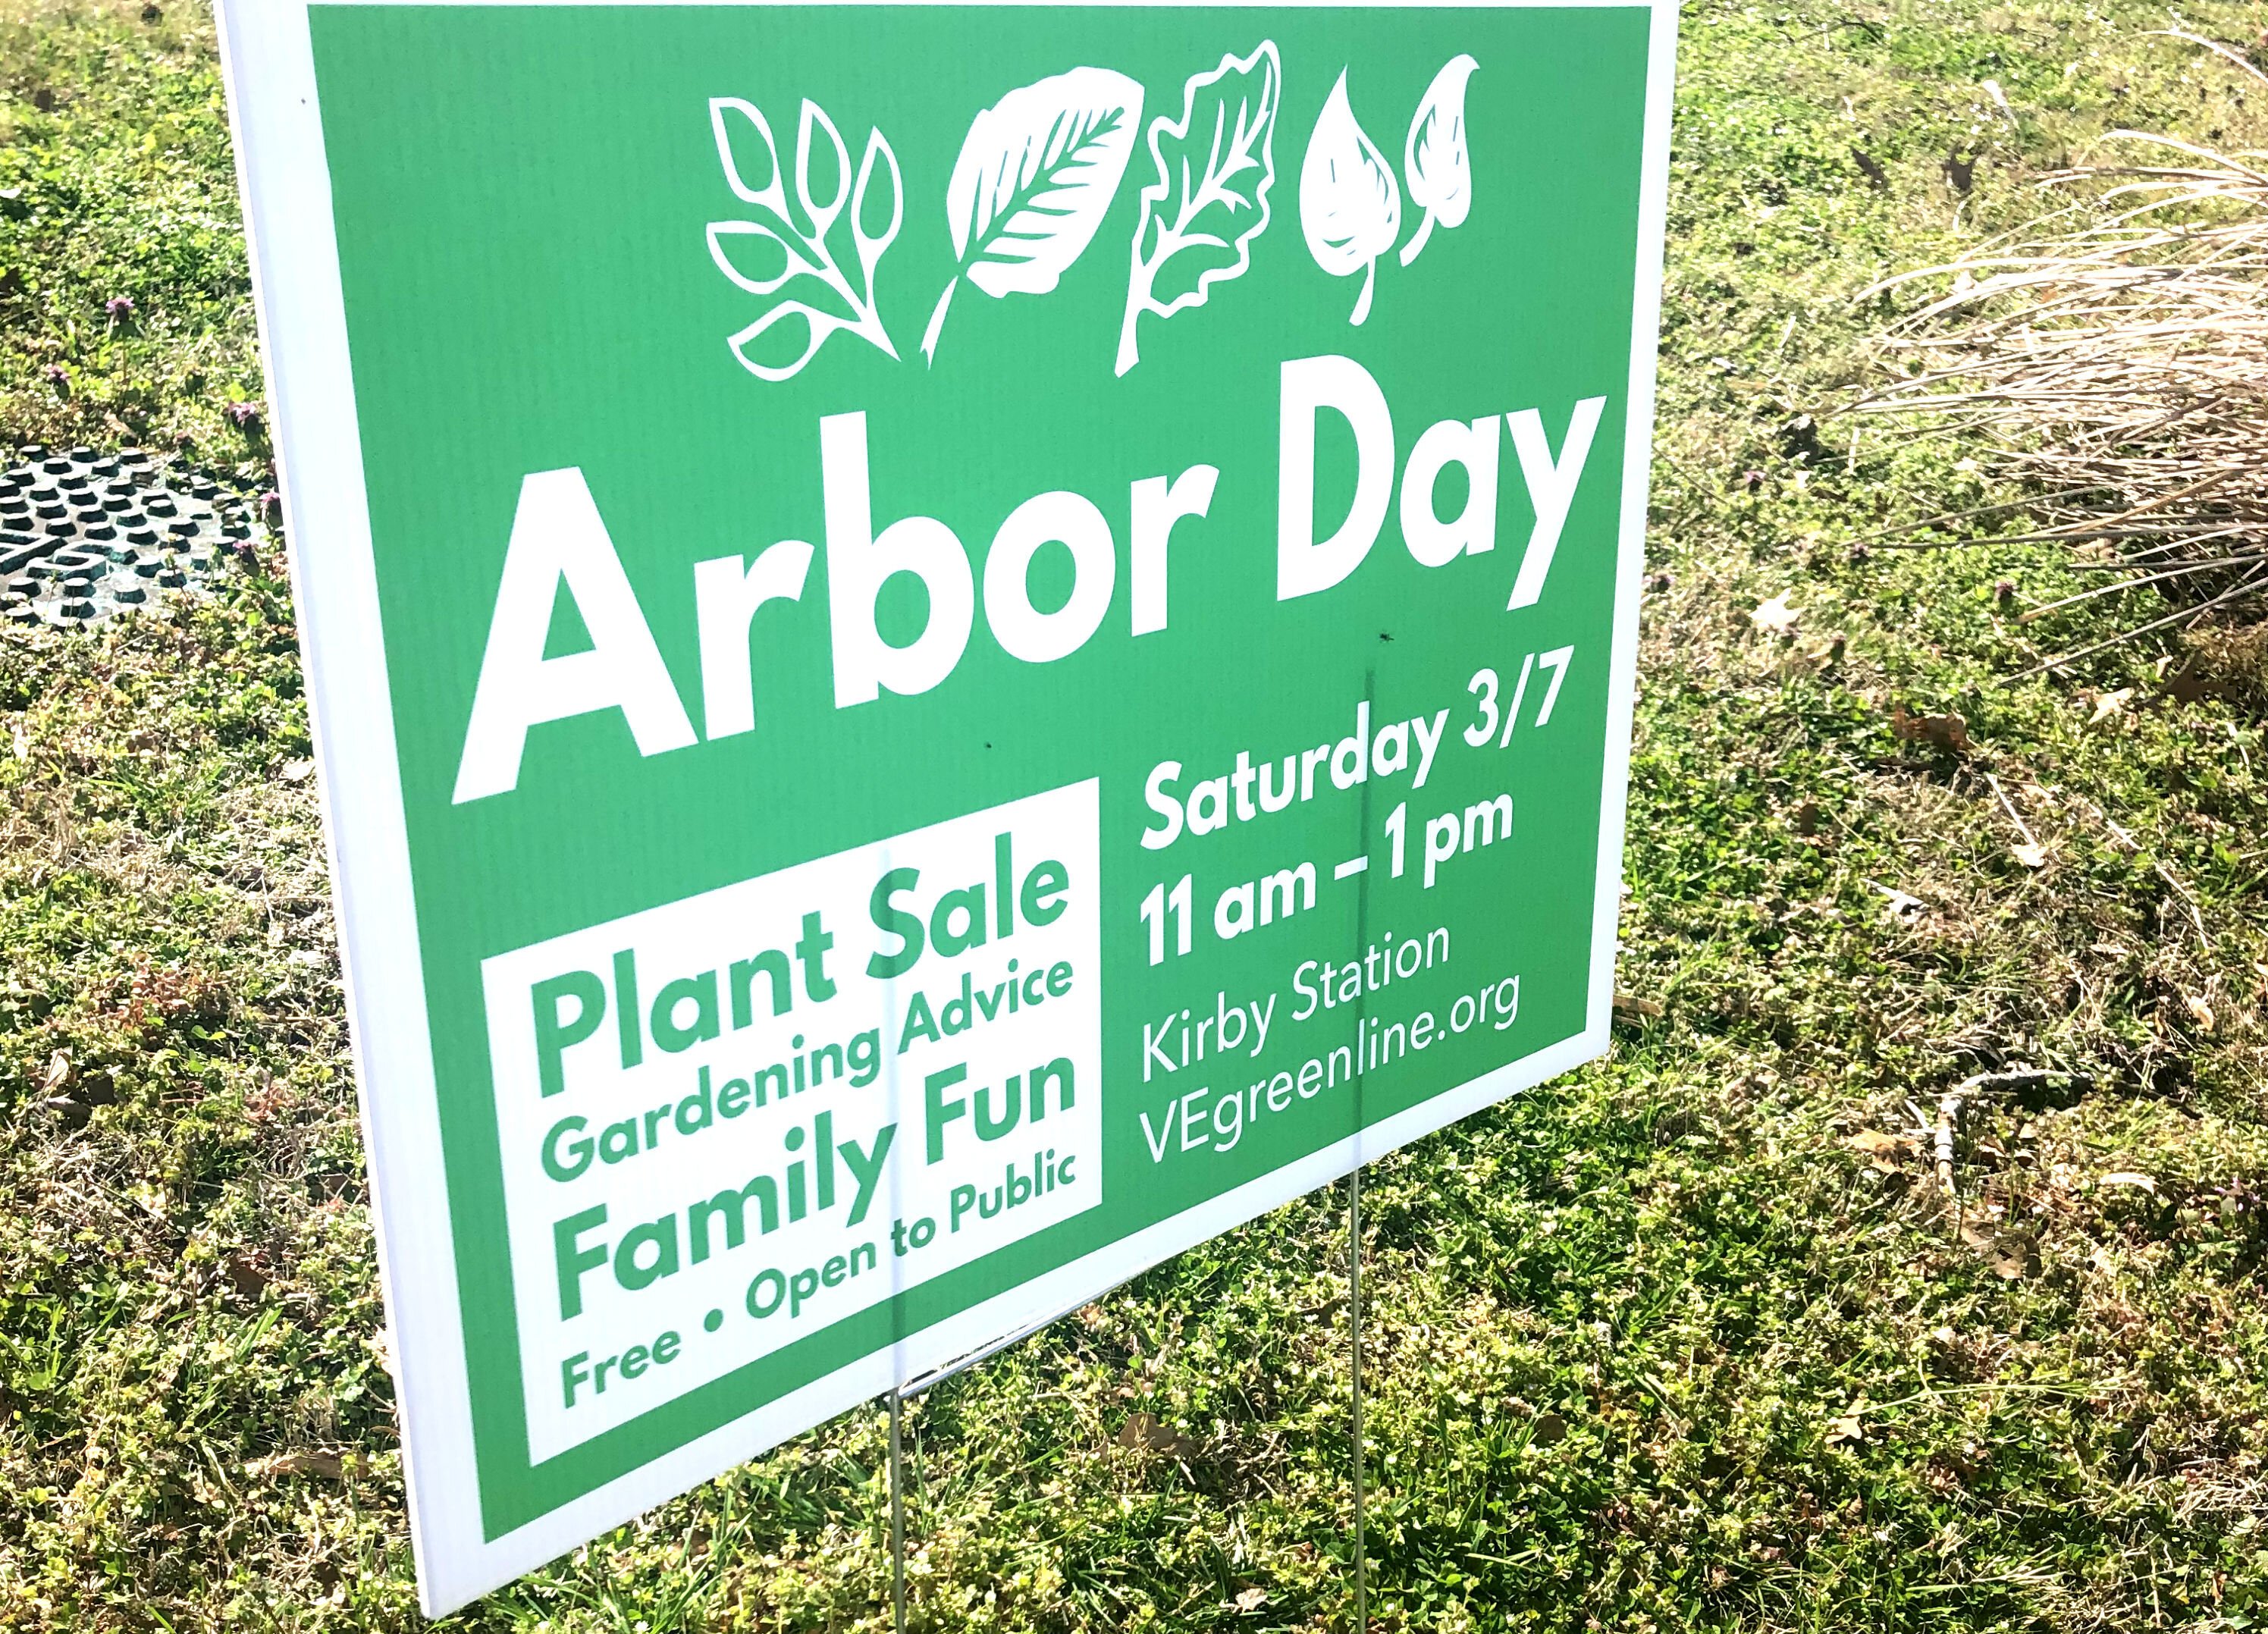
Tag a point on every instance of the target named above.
point(84, 534)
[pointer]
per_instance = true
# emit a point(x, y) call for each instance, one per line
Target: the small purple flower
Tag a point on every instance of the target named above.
point(244, 414)
point(1752, 480)
point(57, 375)
point(2003, 590)
point(118, 306)
point(271, 504)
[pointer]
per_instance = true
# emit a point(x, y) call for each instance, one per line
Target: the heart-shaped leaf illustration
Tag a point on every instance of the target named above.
point(1350, 204)
point(1434, 158)
point(1036, 177)
point(1209, 200)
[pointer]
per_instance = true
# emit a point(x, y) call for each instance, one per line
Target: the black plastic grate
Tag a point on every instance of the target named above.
point(85, 536)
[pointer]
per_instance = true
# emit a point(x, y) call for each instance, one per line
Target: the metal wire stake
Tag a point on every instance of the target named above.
point(1354, 1221)
point(898, 1513)
point(1354, 1328)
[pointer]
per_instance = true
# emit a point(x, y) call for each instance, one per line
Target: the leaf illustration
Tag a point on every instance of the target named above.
point(872, 241)
point(760, 256)
point(776, 249)
point(743, 132)
point(1433, 157)
point(821, 217)
point(1215, 165)
point(1036, 174)
point(1350, 204)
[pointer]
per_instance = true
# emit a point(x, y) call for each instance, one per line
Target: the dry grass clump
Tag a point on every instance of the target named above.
point(2113, 357)
point(2224, 662)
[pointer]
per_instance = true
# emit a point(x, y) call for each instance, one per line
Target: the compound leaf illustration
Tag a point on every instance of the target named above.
point(1215, 165)
point(1434, 158)
point(1350, 204)
point(778, 245)
point(1036, 177)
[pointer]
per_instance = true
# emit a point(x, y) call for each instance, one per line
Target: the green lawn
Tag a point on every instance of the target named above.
point(1662, 1346)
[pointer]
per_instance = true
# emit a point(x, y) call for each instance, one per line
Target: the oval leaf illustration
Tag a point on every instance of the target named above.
point(757, 255)
point(1036, 177)
point(1434, 158)
point(878, 174)
point(1210, 198)
point(1350, 204)
point(836, 159)
point(742, 132)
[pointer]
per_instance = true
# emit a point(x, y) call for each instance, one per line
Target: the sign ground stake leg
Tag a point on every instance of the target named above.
point(1354, 1329)
point(897, 1512)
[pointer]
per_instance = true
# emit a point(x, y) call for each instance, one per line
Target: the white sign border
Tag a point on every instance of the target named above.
point(269, 68)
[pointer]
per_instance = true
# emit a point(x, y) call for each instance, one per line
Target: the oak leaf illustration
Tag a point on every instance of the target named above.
point(1209, 202)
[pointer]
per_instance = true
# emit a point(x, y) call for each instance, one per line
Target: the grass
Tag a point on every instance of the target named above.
point(1690, 1339)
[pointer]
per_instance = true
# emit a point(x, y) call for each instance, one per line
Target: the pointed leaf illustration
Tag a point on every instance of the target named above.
point(823, 216)
point(759, 256)
point(1350, 204)
point(1215, 165)
point(1434, 158)
point(766, 364)
point(872, 241)
point(1036, 174)
point(743, 134)
point(769, 251)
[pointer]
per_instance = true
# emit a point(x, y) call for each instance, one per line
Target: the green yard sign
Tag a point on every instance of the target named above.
point(953, 647)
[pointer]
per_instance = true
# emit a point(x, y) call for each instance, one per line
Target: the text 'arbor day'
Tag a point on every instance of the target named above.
point(561, 547)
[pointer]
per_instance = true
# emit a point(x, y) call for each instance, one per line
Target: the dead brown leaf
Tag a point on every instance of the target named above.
point(1631, 1007)
point(1948, 732)
point(1151, 1434)
point(2109, 704)
point(1848, 1425)
point(2012, 1255)
point(2188, 684)
point(2014, 1259)
point(1883, 1147)
point(281, 1466)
